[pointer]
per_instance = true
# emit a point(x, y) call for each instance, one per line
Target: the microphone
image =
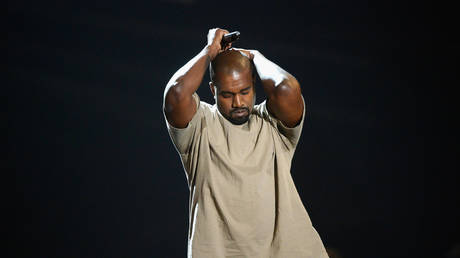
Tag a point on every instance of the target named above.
point(230, 37)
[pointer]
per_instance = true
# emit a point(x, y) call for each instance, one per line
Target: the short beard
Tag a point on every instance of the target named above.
point(240, 120)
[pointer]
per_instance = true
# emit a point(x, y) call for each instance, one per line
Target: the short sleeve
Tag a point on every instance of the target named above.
point(183, 138)
point(289, 136)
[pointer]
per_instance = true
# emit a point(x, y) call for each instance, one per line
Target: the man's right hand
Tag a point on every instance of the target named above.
point(215, 42)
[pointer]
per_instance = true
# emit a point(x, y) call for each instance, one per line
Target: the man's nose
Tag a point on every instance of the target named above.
point(236, 101)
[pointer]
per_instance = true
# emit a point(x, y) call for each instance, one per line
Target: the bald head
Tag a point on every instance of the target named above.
point(230, 62)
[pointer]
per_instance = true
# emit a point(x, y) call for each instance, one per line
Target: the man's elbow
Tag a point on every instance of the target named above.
point(174, 94)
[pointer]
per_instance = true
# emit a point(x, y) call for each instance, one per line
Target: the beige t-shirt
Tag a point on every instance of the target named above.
point(243, 201)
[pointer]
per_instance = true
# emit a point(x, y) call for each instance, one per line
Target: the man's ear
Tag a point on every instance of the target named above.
point(213, 90)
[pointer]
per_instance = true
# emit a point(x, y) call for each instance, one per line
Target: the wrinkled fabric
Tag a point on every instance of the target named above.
point(243, 201)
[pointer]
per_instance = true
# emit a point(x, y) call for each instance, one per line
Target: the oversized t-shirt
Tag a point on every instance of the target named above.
point(243, 201)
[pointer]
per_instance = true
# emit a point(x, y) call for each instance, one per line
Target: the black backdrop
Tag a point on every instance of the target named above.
point(97, 176)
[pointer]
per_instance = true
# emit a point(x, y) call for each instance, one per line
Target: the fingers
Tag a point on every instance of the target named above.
point(226, 47)
point(218, 33)
point(244, 52)
point(215, 36)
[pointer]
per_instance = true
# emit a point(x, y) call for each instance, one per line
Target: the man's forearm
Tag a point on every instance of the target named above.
point(282, 90)
point(179, 106)
point(188, 78)
point(275, 80)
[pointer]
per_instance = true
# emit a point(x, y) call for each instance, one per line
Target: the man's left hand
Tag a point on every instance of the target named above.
point(246, 52)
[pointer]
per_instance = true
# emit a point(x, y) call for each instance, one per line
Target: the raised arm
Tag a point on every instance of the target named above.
point(178, 103)
point(282, 89)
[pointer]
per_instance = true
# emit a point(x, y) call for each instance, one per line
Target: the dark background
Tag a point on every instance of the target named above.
point(97, 176)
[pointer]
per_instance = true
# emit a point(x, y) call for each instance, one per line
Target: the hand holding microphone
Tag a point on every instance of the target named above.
point(230, 37)
point(220, 40)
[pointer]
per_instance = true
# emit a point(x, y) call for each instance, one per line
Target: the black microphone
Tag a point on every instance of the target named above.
point(230, 37)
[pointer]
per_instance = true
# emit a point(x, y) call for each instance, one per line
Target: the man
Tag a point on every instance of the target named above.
point(237, 155)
